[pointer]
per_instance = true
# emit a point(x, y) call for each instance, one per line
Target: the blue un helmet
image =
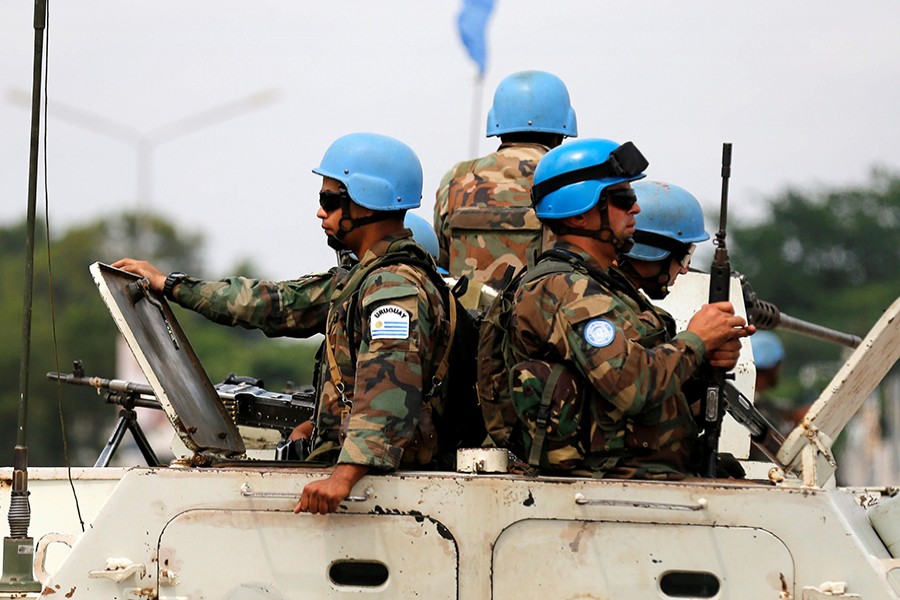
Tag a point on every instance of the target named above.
point(670, 220)
point(532, 101)
point(379, 172)
point(423, 233)
point(767, 349)
point(570, 179)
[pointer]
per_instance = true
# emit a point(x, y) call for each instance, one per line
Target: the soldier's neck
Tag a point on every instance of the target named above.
point(603, 253)
point(370, 234)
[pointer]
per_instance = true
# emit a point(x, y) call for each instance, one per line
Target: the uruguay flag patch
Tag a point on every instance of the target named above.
point(389, 322)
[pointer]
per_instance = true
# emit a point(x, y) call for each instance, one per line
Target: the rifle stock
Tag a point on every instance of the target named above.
point(719, 289)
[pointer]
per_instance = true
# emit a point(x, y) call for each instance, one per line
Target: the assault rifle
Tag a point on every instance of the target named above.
point(719, 287)
point(244, 398)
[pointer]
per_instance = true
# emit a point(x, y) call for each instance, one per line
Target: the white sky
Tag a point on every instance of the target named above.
point(808, 92)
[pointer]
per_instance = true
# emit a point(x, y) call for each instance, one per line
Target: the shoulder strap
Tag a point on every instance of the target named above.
point(405, 252)
point(616, 280)
point(611, 278)
point(540, 433)
point(400, 251)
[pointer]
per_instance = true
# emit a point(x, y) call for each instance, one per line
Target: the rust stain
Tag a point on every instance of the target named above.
point(785, 593)
point(47, 591)
point(71, 592)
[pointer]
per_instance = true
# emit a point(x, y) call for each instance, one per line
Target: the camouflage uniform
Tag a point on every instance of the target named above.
point(483, 215)
point(638, 421)
point(382, 374)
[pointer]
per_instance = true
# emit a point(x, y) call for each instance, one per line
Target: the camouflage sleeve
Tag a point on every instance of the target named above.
point(442, 219)
point(594, 331)
point(296, 308)
point(387, 394)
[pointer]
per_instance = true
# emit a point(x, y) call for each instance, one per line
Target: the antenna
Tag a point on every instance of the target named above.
point(18, 548)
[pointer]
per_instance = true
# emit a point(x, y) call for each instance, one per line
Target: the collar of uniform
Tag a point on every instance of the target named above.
point(573, 249)
point(380, 247)
point(540, 148)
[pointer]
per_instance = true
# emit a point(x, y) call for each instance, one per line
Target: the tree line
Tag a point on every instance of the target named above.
point(85, 331)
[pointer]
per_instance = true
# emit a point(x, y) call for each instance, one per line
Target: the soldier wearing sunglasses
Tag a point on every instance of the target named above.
point(667, 231)
point(578, 323)
point(385, 324)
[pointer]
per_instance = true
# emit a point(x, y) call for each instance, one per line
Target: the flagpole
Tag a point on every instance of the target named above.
point(476, 129)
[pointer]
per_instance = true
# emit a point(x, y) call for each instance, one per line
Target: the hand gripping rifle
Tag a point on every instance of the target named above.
point(719, 287)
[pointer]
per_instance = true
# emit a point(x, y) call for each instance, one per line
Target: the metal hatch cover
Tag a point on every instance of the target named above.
point(168, 361)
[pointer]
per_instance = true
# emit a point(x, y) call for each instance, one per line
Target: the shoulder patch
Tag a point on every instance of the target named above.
point(389, 322)
point(599, 333)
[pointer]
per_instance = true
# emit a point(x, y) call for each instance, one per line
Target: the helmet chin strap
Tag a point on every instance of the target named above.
point(348, 223)
point(604, 233)
point(660, 281)
point(336, 243)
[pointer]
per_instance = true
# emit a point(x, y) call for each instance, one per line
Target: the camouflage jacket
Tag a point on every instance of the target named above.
point(483, 215)
point(639, 421)
point(384, 357)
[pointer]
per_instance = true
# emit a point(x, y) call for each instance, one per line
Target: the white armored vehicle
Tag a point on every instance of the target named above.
point(217, 525)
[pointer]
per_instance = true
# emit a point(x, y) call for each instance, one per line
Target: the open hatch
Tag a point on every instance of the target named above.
point(167, 359)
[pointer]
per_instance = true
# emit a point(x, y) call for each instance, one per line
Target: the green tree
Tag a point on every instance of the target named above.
point(85, 331)
point(828, 256)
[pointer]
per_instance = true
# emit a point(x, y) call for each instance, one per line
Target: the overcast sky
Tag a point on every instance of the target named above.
point(808, 92)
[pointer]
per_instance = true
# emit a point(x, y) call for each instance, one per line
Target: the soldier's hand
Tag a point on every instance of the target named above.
point(725, 356)
point(142, 268)
point(323, 497)
point(716, 324)
point(302, 431)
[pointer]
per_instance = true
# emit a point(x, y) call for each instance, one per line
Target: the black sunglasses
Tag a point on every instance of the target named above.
point(684, 255)
point(621, 198)
point(331, 201)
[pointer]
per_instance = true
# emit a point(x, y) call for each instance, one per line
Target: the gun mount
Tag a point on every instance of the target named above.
point(244, 399)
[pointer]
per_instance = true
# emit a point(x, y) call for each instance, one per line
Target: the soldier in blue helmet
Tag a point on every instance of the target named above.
point(423, 234)
point(768, 356)
point(577, 323)
point(667, 230)
point(482, 214)
point(385, 322)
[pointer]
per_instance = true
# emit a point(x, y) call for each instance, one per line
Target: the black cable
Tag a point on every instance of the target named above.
point(62, 420)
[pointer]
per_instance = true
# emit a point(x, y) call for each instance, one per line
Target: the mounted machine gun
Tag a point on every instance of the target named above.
point(244, 398)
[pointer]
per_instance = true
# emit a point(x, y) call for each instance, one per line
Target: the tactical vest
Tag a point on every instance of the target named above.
point(492, 225)
point(450, 398)
point(537, 408)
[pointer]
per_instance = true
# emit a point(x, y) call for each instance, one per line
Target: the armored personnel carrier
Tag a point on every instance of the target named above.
point(215, 524)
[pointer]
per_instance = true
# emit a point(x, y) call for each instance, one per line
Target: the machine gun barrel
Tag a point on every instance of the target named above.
point(248, 404)
point(141, 394)
point(766, 315)
point(817, 331)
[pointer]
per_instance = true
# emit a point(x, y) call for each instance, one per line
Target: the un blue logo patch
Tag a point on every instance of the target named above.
point(600, 333)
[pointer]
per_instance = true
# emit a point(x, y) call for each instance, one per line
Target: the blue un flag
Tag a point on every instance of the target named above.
point(472, 22)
